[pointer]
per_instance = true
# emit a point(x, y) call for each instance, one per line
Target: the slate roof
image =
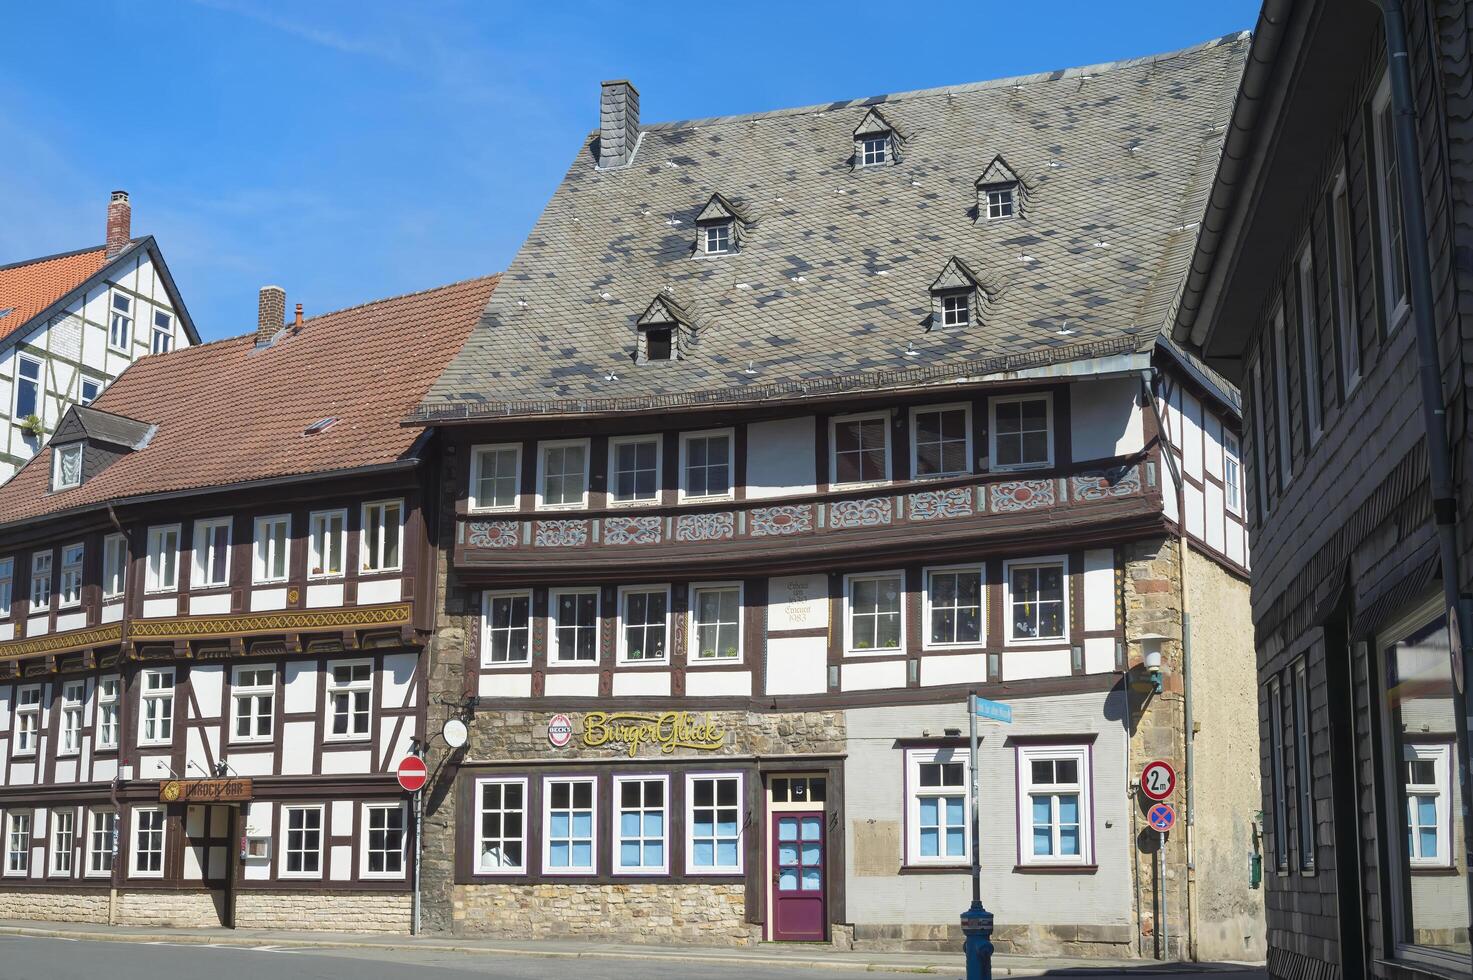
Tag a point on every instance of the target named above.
point(27, 288)
point(230, 413)
point(830, 286)
point(88, 423)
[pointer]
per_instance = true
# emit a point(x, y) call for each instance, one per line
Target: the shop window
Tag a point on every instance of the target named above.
point(716, 622)
point(941, 441)
point(349, 700)
point(211, 554)
point(937, 817)
point(713, 824)
point(641, 835)
point(574, 625)
point(40, 581)
point(158, 706)
point(569, 844)
point(301, 857)
point(148, 842)
point(73, 696)
point(643, 624)
point(706, 465)
point(1022, 432)
point(18, 843)
point(273, 545)
point(383, 843)
point(562, 474)
point(327, 541)
point(107, 713)
point(875, 616)
point(955, 606)
point(27, 719)
point(1303, 772)
point(634, 465)
point(100, 842)
point(861, 448)
point(507, 628)
point(383, 536)
point(1053, 800)
point(1036, 604)
point(63, 840)
point(496, 473)
point(253, 701)
point(501, 846)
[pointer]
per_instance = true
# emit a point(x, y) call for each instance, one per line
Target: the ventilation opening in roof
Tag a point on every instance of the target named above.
point(321, 425)
point(658, 346)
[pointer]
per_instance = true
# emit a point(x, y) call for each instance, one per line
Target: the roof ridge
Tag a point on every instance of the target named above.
point(390, 299)
point(49, 258)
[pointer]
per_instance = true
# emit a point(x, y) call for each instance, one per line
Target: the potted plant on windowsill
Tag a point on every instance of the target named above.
point(32, 426)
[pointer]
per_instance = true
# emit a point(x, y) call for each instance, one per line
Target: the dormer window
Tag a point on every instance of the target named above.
point(999, 202)
point(999, 192)
point(718, 238)
point(719, 226)
point(67, 467)
point(876, 142)
point(874, 151)
point(955, 310)
point(957, 297)
point(658, 345)
point(664, 329)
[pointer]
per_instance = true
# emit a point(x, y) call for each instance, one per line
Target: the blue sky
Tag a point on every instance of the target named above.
point(352, 149)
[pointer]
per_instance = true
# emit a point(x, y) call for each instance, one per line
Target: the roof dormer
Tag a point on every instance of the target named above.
point(720, 226)
point(999, 192)
point(665, 330)
point(88, 441)
point(958, 298)
point(876, 142)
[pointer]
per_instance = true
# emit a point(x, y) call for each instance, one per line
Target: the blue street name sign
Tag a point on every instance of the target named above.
point(992, 710)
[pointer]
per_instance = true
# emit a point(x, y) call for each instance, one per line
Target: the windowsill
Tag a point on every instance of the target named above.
point(542, 508)
point(105, 750)
point(935, 869)
point(566, 664)
point(1021, 467)
point(347, 740)
point(322, 577)
point(1042, 641)
point(68, 753)
point(493, 511)
point(507, 665)
point(723, 872)
point(633, 504)
point(289, 876)
point(568, 872)
point(379, 572)
point(736, 661)
point(379, 876)
point(636, 664)
point(864, 654)
point(258, 583)
point(155, 745)
point(923, 477)
point(1428, 871)
point(977, 647)
point(162, 592)
point(720, 498)
point(248, 743)
point(209, 587)
point(1055, 869)
point(861, 485)
point(498, 872)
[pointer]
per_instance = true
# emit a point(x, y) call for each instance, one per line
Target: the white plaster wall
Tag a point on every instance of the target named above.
point(1105, 420)
point(780, 457)
point(797, 665)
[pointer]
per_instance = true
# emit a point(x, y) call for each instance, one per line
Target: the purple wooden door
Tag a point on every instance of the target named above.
point(798, 912)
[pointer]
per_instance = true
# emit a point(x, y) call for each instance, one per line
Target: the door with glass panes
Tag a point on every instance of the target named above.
point(798, 858)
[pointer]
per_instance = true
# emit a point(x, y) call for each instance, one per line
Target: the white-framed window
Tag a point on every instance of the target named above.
point(114, 565)
point(100, 842)
point(707, 465)
point(211, 554)
point(715, 623)
point(874, 605)
point(120, 329)
point(301, 852)
point(496, 477)
point(40, 581)
point(1036, 601)
point(573, 625)
point(162, 571)
point(861, 448)
point(349, 699)
point(108, 693)
point(717, 238)
point(1391, 225)
point(17, 843)
point(1303, 774)
point(63, 842)
point(562, 474)
point(66, 468)
point(27, 719)
point(252, 703)
point(874, 150)
point(1022, 431)
point(1427, 771)
point(27, 388)
point(634, 469)
point(1054, 805)
point(148, 842)
point(1280, 782)
point(1281, 397)
point(506, 624)
point(70, 592)
point(501, 828)
point(1347, 315)
point(941, 440)
point(999, 202)
point(956, 606)
point(383, 840)
point(163, 333)
point(1232, 474)
point(383, 536)
point(644, 624)
point(73, 698)
point(641, 826)
point(937, 815)
point(713, 823)
point(91, 391)
point(956, 310)
point(1309, 337)
point(569, 834)
point(273, 548)
point(327, 543)
point(7, 586)
point(158, 706)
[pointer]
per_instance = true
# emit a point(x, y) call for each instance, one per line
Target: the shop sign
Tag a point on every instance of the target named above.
point(205, 791)
point(669, 730)
point(560, 731)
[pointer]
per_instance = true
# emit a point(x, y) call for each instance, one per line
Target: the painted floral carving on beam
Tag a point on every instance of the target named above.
point(930, 505)
point(495, 534)
point(1118, 481)
point(870, 512)
point(718, 526)
point(1015, 495)
point(633, 530)
point(560, 534)
point(782, 519)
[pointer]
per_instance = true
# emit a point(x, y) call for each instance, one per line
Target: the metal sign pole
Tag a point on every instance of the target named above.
point(1161, 878)
point(419, 811)
point(975, 804)
point(976, 920)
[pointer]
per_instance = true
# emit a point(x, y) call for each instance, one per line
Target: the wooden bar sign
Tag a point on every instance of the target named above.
point(205, 791)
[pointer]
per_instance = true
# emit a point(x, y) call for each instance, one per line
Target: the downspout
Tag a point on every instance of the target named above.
point(1429, 374)
point(112, 891)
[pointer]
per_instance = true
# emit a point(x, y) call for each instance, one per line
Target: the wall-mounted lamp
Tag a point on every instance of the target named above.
point(1151, 659)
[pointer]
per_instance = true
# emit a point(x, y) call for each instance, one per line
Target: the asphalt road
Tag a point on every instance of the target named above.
point(28, 958)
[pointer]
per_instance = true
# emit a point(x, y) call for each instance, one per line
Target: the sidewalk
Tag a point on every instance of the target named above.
point(767, 954)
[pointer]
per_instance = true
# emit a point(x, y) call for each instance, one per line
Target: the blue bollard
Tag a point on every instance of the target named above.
point(977, 927)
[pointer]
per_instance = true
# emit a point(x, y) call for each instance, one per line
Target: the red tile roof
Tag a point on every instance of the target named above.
point(229, 412)
point(27, 288)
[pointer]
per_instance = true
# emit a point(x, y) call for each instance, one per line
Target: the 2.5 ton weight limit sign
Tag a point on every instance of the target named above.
point(1158, 780)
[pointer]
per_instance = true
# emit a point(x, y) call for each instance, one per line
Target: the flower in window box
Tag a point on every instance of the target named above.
point(32, 426)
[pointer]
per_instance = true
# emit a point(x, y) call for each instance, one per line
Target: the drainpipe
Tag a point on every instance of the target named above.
point(1429, 374)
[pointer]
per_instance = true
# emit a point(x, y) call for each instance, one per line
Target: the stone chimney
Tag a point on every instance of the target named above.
point(119, 224)
point(271, 314)
point(618, 123)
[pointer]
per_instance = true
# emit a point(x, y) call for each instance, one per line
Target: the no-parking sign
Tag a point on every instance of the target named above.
point(1161, 817)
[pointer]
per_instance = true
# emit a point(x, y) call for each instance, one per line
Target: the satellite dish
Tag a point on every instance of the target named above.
point(454, 733)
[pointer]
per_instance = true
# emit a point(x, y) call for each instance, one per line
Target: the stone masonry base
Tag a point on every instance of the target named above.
point(1085, 941)
point(184, 908)
point(356, 911)
point(710, 915)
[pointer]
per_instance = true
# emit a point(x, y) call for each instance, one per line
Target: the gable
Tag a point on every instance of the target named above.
point(998, 172)
point(718, 208)
point(955, 275)
point(873, 124)
point(663, 311)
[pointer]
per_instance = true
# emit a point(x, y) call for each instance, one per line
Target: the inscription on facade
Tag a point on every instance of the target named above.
point(669, 731)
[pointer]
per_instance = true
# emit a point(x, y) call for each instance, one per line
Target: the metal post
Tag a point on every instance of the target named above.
point(976, 920)
point(1161, 877)
point(419, 812)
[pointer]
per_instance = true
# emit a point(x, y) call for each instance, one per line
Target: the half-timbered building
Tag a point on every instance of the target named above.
point(783, 434)
point(216, 584)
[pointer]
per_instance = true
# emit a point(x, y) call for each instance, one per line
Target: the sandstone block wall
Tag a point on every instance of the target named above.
point(703, 914)
point(358, 911)
point(169, 908)
point(54, 905)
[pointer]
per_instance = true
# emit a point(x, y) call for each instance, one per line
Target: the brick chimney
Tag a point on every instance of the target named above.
point(119, 223)
point(618, 123)
point(271, 314)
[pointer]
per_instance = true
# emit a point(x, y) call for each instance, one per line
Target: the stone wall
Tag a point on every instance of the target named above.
point(705, 914)
point(169, 907)
point(347, 911)
point(54, 905)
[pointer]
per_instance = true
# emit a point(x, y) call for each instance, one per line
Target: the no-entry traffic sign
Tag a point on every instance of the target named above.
point(1158, 779)
point(412, 773)
point(1161, 817)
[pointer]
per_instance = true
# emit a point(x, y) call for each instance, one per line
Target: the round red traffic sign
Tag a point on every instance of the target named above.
point(413, 774)
point(1161, 817)
point(1158, 780)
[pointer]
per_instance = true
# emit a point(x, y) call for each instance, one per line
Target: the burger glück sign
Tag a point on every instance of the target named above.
point(668, 731)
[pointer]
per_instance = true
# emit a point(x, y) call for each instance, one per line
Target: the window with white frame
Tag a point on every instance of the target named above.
point(70, 591)
point(73, 698)
point(1280, 782)
point(717, 238)
point(634, 469)
point(1053, 800)
point(100, 842)
point(7, 586)
point(941, 440)
point(273, 545)
point(1232, 474)
point(875, 616)
point(1347, 315)
point(327, 543)
point(162, 571)
point(574, 614)
point(1309, 339)
point(706, 465)
point(501, 838)
point(383, 852)
point(495, 477)
point(715, 622)
point(148, 842)
point(1427, 771)
point(1303, 775)
point(163, 333)
point(999, 202)
point(91, 389)
point(40, 581)
point(63, 841)
point(874, 150)
point(17, 843)
point(937, 816)
point(66, 471)
point(713, 824)
point(349, 697)
point(955, 606)
point(861, 448)
point(301, 854)
point(1022, 432)
point(1281, 397)
point(1391, 228)
point(569, 842)
point(27, 719)
point(1037, 604)
point(383, 536)
point(956, 309)
point(108, 693)
point(114, 565)
point(506, 619)
point(644, 620)
point(27, 388)
point(158, 706)
point(640, 831)
point(211, 554)
point(120, 329)
point(253, 702)
point(562, 473)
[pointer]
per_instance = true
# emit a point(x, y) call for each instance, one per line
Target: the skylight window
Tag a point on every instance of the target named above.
point(321, 425)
